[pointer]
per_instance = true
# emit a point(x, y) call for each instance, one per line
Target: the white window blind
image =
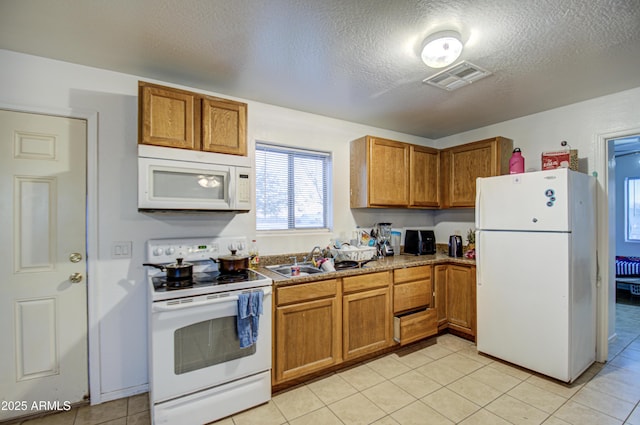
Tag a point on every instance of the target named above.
point(293, 188)
point(632, 201)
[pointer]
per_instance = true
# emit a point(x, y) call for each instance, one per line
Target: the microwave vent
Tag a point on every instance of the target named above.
point(457, 76)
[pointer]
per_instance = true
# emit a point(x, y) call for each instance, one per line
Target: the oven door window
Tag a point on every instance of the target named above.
point(206, 344)
point(195, 185)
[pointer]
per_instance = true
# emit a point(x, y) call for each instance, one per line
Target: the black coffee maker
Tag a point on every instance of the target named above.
point(455, 246)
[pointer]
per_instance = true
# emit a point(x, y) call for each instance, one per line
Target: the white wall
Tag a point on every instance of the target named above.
point(626, 166)
point(118, 286)
point(579, 124)
point(289, 127)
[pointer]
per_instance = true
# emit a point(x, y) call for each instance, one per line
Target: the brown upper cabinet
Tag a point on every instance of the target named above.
point(387, 173)
point(390, 174)
point(181, 119)
point(461, 165)
point(224, 126)
point(424, 177)
point(379, 173)
point(168, 117)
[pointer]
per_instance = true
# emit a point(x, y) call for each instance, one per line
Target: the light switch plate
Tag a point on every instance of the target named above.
point(121, 249)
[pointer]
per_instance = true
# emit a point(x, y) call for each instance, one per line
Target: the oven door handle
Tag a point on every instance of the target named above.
point(183, 305)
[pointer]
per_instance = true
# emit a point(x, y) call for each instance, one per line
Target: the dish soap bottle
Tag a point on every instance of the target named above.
point(254, 256)
point(295, 268)
point(516, 162)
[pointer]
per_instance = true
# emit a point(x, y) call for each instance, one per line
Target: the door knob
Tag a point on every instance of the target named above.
point(75, 257)
point(75, 278)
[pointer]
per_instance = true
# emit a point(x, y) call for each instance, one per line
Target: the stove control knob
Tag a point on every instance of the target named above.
point(170, 250)
point(158, 251)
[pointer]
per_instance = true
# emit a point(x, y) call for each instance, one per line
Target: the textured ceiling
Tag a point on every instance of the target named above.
point(356, 60)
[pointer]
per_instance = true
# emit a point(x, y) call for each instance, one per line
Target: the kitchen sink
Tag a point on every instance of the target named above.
point(285, 270)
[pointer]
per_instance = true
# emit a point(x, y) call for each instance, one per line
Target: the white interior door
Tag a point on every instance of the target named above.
point(43, 294)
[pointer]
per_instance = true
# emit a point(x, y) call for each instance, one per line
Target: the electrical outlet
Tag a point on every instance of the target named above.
point(121, 249)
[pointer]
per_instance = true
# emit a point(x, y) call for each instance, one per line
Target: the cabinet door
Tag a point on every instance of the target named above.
point(168, 117)
point(224, 126)
point(440, 289)
point(366, 322)
point(307, 338)
point(424, 177)
point(461, 298)
point(466, 165)
point(461, 165)
point(388, 173)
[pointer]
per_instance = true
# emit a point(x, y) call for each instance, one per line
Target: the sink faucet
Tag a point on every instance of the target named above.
point(311, 254)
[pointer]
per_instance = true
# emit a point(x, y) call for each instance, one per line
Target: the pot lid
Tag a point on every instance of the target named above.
point(179, 264)
point(233, 257)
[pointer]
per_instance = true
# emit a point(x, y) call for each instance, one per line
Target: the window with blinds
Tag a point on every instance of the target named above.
point(293, 188)
point(632, 201)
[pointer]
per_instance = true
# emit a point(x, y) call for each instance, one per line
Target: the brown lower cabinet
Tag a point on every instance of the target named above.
point(307, 329)
point(320, 325)
point(366, 322)
point(455, 292)
point(413, 309)
point(316, 327)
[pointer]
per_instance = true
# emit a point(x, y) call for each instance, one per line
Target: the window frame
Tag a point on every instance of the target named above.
point(628, 208)
point(292, 153)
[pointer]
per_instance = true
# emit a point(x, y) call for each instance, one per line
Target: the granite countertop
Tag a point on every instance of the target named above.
point(384, 264)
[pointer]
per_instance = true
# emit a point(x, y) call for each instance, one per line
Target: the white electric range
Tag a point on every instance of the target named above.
point(198, 372)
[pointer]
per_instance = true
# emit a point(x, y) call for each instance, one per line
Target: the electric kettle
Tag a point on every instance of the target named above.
point(455, 246)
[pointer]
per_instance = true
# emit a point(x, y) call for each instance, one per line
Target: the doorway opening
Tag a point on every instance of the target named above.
point(626, 212)
point(605, 170)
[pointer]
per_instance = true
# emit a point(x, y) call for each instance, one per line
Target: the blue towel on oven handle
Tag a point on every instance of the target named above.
point(248, 319)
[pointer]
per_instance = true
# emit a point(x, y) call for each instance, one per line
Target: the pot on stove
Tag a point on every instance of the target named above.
point(175, 271)
point(232, 263)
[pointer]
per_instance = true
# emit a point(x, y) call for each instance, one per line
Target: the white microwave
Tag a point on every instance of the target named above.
point(175, 179)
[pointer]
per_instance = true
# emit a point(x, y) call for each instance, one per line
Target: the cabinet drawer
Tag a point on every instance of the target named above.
point(411, 296)
point(414, 326)
point(306, 292)
point(365, 281)
point(411, 273)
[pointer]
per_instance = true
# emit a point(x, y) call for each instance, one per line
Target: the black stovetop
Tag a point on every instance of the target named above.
point(204, 279)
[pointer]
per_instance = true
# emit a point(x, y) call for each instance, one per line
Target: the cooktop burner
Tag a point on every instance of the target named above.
point(233, 277)
point(206, 278)
point(203, 279)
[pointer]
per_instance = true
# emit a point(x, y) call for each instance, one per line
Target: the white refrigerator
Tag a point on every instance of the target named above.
point(536, 271)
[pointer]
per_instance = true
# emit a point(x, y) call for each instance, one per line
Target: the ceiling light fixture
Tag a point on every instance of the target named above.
point(441, 49)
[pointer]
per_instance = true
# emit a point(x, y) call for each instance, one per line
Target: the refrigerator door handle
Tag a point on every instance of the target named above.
point(478, 197)
point(478, 262)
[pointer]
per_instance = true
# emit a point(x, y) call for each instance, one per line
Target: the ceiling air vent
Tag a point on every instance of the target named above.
point(457, 76)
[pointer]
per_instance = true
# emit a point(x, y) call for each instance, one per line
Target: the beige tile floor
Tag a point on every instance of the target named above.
point(444, 383)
